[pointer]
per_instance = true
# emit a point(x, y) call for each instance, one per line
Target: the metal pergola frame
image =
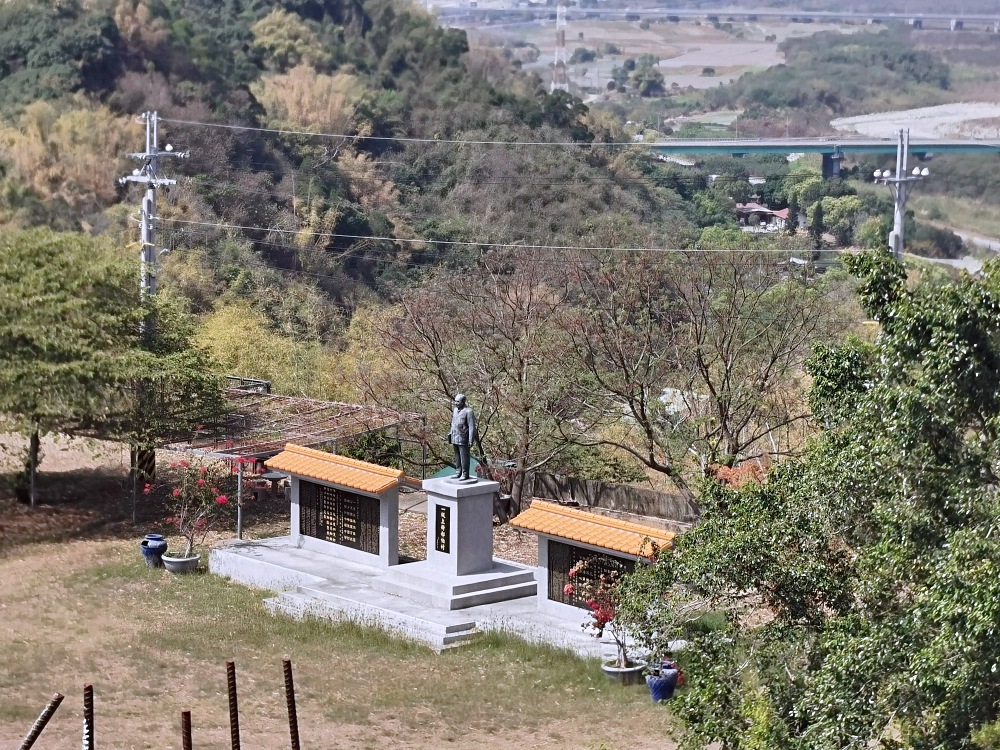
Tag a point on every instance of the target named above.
point(257, 425)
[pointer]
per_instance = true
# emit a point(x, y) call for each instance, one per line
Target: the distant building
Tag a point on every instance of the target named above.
point(677, 160)
point(757, 217)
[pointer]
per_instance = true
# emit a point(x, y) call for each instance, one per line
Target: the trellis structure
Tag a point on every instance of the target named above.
point(258, 424)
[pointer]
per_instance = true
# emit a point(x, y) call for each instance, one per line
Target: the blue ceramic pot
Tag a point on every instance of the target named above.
point(153, 547)
point(662, 686)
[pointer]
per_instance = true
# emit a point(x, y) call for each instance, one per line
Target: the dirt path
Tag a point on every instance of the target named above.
point(61, 454)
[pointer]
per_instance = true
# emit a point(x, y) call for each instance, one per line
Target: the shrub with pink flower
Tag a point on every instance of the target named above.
point(596, 587)
point(196, 504)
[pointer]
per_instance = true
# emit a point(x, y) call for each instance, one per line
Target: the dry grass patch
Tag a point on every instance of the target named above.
point(971, 216)
point(88, 610)
point(154, 644)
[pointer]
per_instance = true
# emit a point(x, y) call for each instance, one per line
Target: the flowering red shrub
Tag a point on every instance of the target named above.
point(197, 506)
point(598, 593)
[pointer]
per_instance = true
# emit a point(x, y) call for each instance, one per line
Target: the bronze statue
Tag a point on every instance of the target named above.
point(463, 435)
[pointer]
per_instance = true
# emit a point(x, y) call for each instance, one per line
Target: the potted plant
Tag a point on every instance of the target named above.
point(658, 613)
point(197, 506)
point(152, 548)
point(597, 588)
point(663, 676)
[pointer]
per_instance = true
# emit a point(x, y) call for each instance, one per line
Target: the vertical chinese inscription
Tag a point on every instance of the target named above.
point(442, 528)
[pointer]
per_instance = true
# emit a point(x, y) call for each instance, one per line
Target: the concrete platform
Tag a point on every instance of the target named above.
point(310, 584)
point(425, 584)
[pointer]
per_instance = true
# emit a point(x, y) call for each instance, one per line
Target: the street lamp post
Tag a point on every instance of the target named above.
point(900, 184)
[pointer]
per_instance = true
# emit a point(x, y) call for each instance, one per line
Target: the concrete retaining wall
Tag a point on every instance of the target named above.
point(617, 497)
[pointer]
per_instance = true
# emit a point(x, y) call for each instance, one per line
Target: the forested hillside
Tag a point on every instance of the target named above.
point(364, 73)
point(828, 75)
point(347, 160)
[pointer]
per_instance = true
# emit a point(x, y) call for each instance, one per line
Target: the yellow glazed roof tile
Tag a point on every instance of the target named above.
point(589, 528)
point(340, 470)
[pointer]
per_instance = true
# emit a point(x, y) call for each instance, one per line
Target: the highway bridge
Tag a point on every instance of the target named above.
point(832, 148)
point(955, 20)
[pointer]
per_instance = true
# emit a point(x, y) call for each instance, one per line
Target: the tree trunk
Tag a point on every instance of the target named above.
point(134, 470)
point(33, 448)
point(517, 487)
point(143, 469)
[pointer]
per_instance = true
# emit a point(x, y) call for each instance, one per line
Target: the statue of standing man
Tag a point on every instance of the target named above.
point(463, 434)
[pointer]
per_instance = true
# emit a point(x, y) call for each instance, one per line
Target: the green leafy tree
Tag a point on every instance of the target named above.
point(714, 208)
point(794, 209)
point(817, 224)
point(859, 581)
point(840, 216)
point(63, 332)
point(166, 385)
point(871, 233)
point(582, 55)
point(286, 40)
point(50, 49)
point(71, 358)
point(648, 82)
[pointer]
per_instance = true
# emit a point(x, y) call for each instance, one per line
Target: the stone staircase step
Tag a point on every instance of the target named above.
point(309, 601)
point(496, 594)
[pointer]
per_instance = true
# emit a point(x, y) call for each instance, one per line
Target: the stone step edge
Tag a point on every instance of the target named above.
point(448, 589)
point(487, 596)
point(295, 608)
point(309, 600)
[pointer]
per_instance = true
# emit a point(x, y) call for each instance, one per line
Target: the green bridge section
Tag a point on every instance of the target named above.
point(832, 149)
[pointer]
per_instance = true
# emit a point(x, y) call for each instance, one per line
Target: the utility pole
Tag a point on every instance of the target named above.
point(900, 184)
point(149, 174)
point(144, 457)
point(560, 78)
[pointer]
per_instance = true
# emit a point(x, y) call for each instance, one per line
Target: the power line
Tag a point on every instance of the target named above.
point(478, 243)
point(351, 308)
point(691, 181)
point(400, 139)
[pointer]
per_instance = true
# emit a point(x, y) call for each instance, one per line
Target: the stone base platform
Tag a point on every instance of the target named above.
point(421, 583)
point(311, 584)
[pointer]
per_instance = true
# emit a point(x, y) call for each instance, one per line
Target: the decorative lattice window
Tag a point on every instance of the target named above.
point(339, 516)
point(562, 558)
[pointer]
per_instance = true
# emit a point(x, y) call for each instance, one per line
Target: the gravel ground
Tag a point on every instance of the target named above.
point(962, 120)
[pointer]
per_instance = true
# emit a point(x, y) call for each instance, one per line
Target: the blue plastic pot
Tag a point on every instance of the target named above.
point(662, 686)
point(153, 547)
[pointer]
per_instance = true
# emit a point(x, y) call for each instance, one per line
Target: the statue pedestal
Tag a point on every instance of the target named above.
point(460, 525)
point(459, 571)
